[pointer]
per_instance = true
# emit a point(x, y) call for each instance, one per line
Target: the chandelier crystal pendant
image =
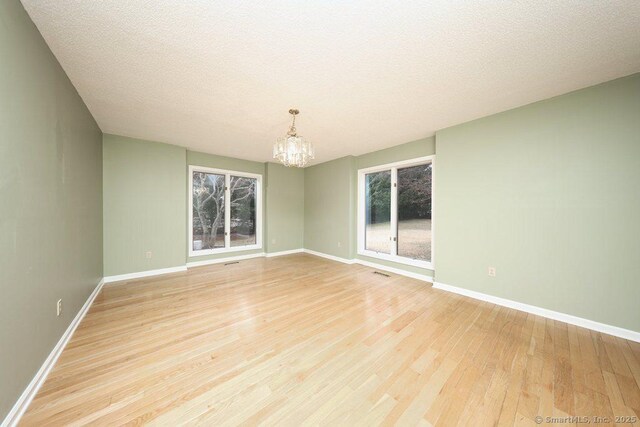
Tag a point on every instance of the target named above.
point(293, 149)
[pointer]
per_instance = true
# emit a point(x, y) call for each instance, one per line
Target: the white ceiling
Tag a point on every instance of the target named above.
point(220, 76)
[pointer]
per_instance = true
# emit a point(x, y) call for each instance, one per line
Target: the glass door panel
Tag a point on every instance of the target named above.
point(208, 211)
point(378, 212)
point(414, 212)
point(243, 211)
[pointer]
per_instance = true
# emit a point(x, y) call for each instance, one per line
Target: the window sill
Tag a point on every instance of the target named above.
point(397, 259)
point(205, 252)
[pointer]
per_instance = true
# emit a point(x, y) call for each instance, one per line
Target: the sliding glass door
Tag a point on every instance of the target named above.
point(224, 213)
point(394, 213)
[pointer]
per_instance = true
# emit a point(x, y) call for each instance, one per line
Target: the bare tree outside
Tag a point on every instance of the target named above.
point(209, 210)
point(243, 211)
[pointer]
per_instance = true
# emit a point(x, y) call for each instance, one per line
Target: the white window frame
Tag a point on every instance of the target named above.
point(227, 211)
point(393, 167)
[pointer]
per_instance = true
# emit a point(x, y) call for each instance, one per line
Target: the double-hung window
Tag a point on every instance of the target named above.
point(224, 211)
point(394, 212)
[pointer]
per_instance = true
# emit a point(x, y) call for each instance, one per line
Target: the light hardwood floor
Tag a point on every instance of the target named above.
point(300, 340)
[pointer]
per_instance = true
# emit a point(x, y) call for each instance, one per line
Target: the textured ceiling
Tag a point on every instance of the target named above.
point(220, 76)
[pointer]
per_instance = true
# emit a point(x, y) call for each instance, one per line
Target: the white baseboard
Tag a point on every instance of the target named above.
point(543, 312)
point(147, 273)
point(377, 266)
point(222, 260)
point(418, 276)
point(21, 405)
point(292, 251)
point(331, 257)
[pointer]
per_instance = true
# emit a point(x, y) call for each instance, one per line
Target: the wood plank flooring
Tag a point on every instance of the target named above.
point(300, 340)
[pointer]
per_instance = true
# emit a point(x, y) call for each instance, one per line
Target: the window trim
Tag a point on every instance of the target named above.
point(227, 212)
point(393, 167)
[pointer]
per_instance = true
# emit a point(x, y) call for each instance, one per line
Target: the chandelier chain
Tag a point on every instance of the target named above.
point(292, 129)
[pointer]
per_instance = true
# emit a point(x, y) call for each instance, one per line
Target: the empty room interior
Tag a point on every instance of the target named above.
point(319, 213)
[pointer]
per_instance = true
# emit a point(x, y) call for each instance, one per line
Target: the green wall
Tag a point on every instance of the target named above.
point(221, 162)
point(284, 208)
point(145, 205)
point(329, 208)
point(51, 202)
point(549, 195)
point(314, 208)
point(410, 150)
point(331, 198)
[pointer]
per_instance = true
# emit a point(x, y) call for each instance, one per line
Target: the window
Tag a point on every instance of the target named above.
point(224, 211)
point(394, 212)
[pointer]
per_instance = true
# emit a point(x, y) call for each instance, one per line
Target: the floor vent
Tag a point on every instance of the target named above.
point(382, 274)
point(234, 262)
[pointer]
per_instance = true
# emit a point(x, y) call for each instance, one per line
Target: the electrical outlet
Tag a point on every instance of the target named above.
point(339, 244)
point(273, 241)
point(491, 271)
point(59, 307)
point(149, 254)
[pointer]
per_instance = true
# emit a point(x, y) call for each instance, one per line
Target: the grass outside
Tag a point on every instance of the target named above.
point(414, 238)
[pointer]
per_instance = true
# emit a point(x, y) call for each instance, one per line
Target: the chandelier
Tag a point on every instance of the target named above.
point(293, 149)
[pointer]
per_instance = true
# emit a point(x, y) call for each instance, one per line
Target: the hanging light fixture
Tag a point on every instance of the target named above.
point(293, 149)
